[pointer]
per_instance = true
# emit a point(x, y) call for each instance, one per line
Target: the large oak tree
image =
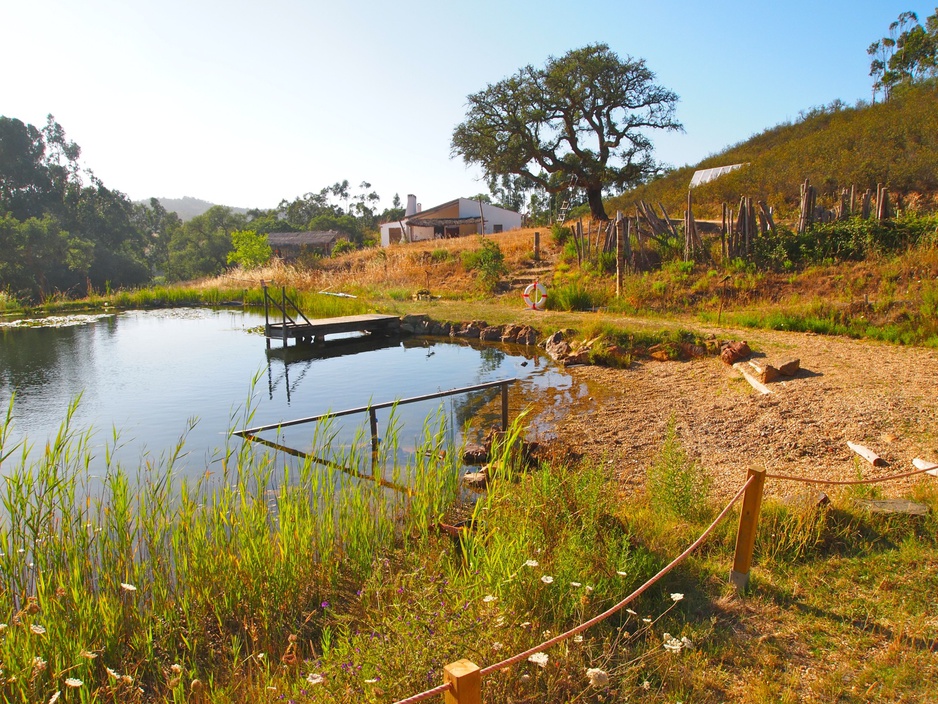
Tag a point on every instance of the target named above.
point(586, 115)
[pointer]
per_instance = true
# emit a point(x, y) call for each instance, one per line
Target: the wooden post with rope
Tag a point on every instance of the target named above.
point(465, 680)
point(746, 534)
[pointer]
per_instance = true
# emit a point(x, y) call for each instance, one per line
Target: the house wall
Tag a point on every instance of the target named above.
point(492, 214)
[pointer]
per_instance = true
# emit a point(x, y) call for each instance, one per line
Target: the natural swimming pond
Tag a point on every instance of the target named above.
point(143, 377)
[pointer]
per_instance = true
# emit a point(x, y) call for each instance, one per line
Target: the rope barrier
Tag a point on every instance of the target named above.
point(631, 597)
point(596, 619)
point(805, 480)
point(442, 689)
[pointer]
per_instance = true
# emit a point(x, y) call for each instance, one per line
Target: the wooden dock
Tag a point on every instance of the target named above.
point(304, 331)
point(314, 331)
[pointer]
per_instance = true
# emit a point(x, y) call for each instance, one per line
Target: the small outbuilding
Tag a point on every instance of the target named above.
point(456, 218)
point(290, 245)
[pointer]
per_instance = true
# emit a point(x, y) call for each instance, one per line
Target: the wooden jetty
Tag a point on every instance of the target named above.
point(293, 325)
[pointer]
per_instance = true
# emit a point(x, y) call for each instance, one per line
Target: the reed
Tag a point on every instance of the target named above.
point(144, 579)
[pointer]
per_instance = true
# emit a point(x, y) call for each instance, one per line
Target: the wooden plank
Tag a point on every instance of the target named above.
point(756, 384)
point(905, 506)
point(867, 454)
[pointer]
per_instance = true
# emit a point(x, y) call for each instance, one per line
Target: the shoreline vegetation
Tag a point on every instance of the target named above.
point(272, 587)
point(308, 586)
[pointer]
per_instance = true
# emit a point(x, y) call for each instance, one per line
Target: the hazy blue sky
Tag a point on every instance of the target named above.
point(246, 102)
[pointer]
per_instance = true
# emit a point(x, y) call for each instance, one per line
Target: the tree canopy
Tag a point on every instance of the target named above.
point(907, 55)
point(583, 116)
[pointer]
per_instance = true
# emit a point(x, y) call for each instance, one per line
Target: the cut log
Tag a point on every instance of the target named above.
point(790, 368)
point(867, 454)
point(734, 352)
point(930, 467)
point(748, 376)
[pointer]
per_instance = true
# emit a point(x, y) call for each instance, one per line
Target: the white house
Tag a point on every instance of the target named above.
point(456, 218)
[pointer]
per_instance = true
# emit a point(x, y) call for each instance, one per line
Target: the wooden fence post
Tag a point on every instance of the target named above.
point(505, 407)
point(746, 535)
point(465, 679)
point(537, 246)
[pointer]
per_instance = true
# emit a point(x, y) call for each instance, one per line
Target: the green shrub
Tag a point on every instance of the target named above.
point(677, 485)
point(488, 261)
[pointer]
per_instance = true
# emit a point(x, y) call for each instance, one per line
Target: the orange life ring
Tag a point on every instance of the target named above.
point(535, 296)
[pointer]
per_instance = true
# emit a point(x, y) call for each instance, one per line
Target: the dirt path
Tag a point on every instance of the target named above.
point(882, 396)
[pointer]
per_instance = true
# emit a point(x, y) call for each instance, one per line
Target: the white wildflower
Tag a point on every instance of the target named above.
point(578, 638)
point(672, 644)
point(597, 677)
point(37, 629)
point(531, 563)
point(496, 646)
point(646, 620)
point(39, 664)
point(629, 611)
point(539, 659)
point(55, 697)
point(575, 585)
point(621, 573)
point(128, 587)
point(73, 682)
point(547, 579)
point(371, 681)
point(677, 596)
point(315, 678)
point(525, 624)
point(488, 598)
point(687, 643)
point(646, 685)
point(112, 674)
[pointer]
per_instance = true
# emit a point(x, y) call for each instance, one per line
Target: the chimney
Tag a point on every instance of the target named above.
point(411, 205)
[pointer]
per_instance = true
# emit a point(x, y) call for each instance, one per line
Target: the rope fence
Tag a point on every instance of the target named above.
point(463, 679)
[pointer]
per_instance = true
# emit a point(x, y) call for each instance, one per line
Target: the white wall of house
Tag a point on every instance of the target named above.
point(496, 220)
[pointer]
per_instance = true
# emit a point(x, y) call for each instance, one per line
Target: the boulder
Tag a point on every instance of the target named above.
point(491, 333)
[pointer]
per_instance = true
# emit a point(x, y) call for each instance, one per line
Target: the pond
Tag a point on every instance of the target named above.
point(141, 378)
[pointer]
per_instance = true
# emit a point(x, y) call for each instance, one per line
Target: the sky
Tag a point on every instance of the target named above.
point(245, 103)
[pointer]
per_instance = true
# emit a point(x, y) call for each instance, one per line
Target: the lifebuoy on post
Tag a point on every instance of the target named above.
point(535, 296)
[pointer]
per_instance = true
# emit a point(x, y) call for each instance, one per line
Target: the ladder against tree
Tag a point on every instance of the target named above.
point(565, 206)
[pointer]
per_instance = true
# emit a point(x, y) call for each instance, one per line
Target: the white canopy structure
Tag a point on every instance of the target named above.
point(706, 175)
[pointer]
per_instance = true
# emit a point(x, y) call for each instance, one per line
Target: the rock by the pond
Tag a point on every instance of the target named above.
point(476, 480)
point(474, 454)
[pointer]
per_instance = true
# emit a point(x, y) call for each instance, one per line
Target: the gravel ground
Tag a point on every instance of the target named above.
point(882, 396)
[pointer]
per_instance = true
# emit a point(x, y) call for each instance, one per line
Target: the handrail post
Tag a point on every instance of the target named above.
point(465, 680)
point(746, 534)
point(266, 313)
point(505, 406)
point(283, 313)
point(373, 417)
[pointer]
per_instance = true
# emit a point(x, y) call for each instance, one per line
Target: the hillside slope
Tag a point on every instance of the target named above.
point(836, 147)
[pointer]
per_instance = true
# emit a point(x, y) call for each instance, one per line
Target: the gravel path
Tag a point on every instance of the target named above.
point(882, 396)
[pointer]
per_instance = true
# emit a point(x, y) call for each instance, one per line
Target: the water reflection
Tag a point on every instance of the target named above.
point(143, 374)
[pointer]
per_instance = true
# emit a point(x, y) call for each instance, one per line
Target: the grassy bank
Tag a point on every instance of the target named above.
point(310, 586)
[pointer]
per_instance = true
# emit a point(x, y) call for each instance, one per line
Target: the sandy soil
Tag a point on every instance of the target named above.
point(878, 395)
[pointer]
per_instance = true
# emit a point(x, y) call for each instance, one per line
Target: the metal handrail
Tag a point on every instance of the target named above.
point(388, 404)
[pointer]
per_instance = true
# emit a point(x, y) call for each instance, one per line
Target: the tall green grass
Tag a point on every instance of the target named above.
point(145, 579)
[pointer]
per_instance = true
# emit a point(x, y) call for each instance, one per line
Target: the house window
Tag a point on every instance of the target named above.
point(496, 228)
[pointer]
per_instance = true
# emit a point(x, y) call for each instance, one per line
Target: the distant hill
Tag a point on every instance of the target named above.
point(836, 147)
point(187, 207)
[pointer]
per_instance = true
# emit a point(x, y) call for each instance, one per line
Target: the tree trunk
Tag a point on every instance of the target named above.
point(594, 195)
